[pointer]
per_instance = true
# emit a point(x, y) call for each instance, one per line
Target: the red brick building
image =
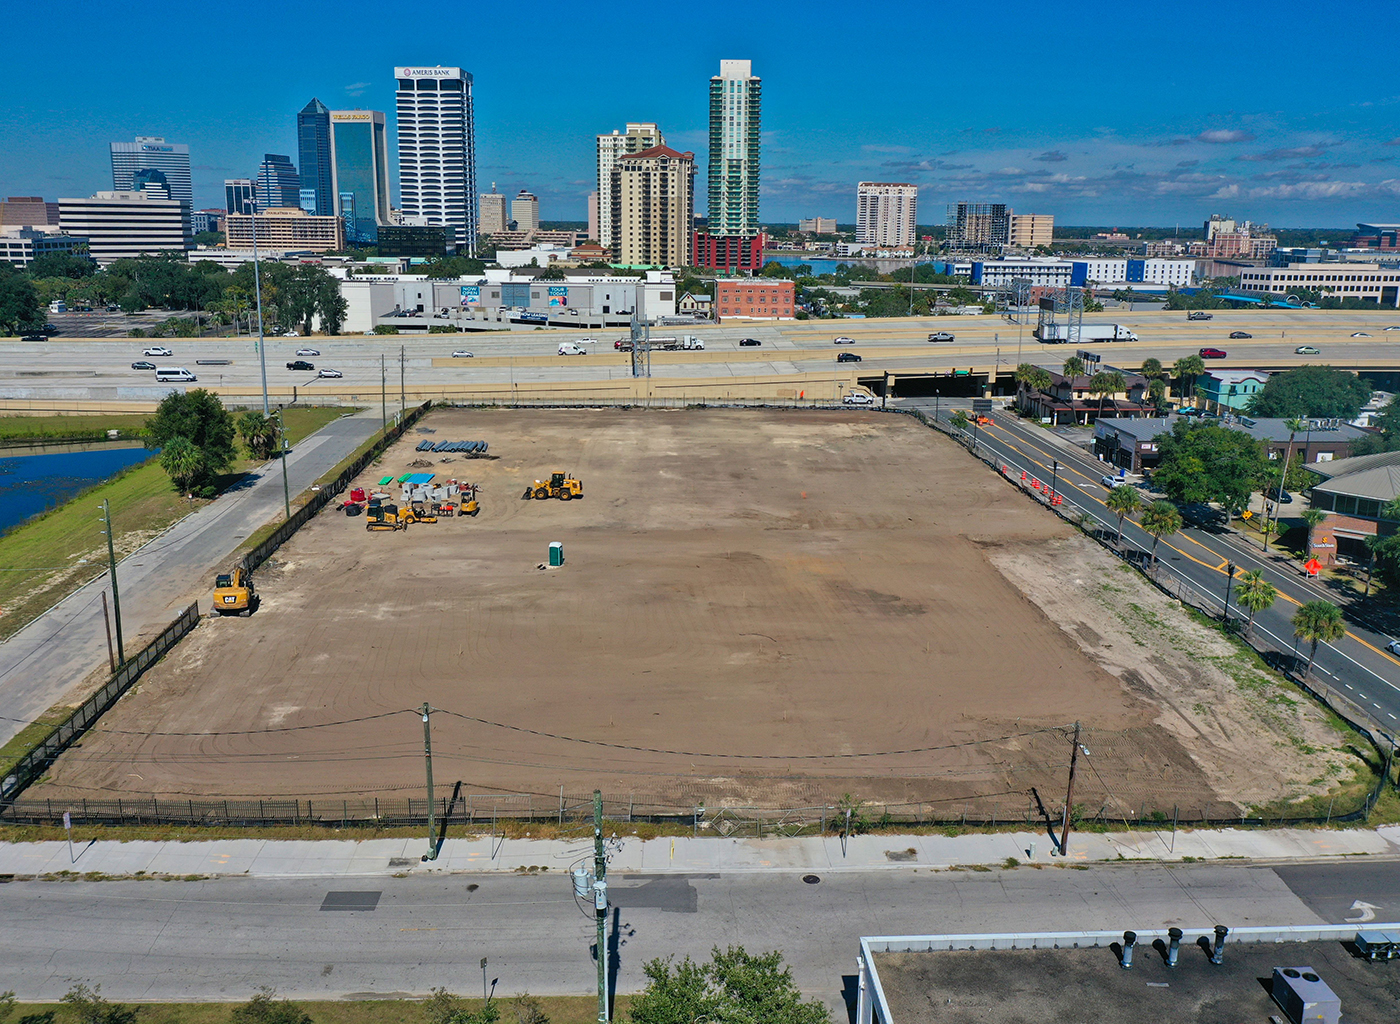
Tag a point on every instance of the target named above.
point(728, 252)
point(754, 298)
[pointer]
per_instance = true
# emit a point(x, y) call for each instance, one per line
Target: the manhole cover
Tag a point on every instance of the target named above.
point(811, 879)
point(350, 901)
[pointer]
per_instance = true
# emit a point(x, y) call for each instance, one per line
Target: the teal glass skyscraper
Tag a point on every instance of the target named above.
point(360, 172)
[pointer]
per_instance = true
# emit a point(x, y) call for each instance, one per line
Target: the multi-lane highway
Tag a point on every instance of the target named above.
point(101, 368)
point(1357, 665)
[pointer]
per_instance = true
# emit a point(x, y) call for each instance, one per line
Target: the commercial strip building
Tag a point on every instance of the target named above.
point(150, 160)
point(654, 207)
point(612, 147)
point(285, 228)
point(359, 172)
point(122, 225)
point(1068, 400)
point(586, 295)
point(1353, 493)
point(437, 150)
point(732, 240)
point(753, 298)
point(886, 212)
point(1227, 391)
point(1132, 443)
point(1369, 282)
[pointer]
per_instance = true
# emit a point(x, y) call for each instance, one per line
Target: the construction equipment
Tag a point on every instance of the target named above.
point(417, 512)
point(234, 593)
point(380, 515)
point(559, 485)
point(469, 507)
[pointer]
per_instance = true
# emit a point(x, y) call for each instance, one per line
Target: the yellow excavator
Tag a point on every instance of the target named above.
point(234, 593)
point(559, 485)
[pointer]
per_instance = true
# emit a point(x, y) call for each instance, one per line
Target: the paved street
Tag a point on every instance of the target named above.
point(45, 660)
point(1357, 664)
point(221, 940)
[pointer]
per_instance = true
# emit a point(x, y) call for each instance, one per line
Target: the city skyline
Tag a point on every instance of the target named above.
point(1195, 135)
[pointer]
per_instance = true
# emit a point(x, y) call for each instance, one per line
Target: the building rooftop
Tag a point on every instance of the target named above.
point(659, 151)
point(1237, 376)
point(1088, 984)
point(1366, 476)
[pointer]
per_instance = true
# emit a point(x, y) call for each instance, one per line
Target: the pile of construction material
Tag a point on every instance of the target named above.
point(473, 449)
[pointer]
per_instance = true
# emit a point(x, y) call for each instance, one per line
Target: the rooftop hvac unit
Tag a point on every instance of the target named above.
point(1305, 998)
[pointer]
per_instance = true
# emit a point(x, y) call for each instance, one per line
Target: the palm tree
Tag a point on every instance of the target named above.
point(1034, 377)
point(1160, 520)
point(1255, 593)
point(1104, 383)
point(1318, 622)
point(1157, 391)
point(1151, 368)
point(1294, 425)
point(1313, 518)
point(1123, 501)
point(1073, 368)
point(1188, 368)
point(182, 459)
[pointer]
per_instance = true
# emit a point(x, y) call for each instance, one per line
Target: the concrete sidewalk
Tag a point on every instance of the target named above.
point(682, 855)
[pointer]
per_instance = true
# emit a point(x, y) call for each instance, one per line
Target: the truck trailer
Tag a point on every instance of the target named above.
point(1056, 334)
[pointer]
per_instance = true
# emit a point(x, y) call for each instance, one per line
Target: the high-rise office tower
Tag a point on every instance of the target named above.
point(733, 239)
point(654, 207)
point(278, 182)
point(314, 156)
point(360, 172)
point(124, 225)
point(885, 212)
point(525, 211)
point(169, 161)
point(437, 149)
point(238, 195)
point(640, 135)
point(493, 212)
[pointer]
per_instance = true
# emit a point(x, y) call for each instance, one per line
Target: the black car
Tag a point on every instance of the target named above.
point(142, 364)
point(50, 329)
point(35, 337)
point(1240, 334)
point(847, 357)
point(1282, 497)
point(300, 364)
point(749, 342)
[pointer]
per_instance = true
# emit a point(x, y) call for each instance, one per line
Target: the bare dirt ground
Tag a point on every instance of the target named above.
point(757, 608)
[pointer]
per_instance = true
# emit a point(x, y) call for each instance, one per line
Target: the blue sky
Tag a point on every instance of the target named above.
point(1098, 112)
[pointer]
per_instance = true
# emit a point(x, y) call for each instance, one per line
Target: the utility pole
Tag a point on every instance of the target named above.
point(257, 290)
point(1229, 579)
point(282, 443)
point(885, 394)
point(106, 518)
point(427, 710)
point(383, 395)
point(600, 905)
point(107, 624)
point(403, 401)
point(1069, 794)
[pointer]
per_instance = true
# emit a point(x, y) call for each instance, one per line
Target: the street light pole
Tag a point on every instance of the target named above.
point(112, 572)
point(1054, 480)
point(257, 291)
point(282, 442)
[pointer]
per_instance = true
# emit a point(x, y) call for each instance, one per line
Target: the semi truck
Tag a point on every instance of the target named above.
point(689, 343)
point(1056, 334)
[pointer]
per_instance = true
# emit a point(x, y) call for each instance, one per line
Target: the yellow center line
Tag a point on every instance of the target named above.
point(1214, 568)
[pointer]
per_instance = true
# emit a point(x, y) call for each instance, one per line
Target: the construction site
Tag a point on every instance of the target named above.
point(768, 608)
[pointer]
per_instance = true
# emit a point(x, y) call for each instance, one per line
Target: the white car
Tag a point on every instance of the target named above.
point(1393, 647)
point(1360, 334)
point(585, 341)
point(291, 334)
point(1392, 327)
point(157, 350)
point(329, 373)
point(308, 351)
point(462, 353)
point(843, 340)
point(857, 398)
point(568, 348)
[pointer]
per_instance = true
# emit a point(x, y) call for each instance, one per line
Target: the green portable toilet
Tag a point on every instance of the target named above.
point(556, 553)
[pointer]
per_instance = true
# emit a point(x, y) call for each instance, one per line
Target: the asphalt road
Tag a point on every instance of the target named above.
point(56, 652)
point(222, 939)
point(39, 370)
point(1357, 664)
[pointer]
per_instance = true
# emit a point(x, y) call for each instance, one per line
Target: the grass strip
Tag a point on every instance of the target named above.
point(360, 1010)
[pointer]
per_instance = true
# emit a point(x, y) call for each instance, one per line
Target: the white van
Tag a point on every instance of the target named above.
point(174, 375)
point(568, 348)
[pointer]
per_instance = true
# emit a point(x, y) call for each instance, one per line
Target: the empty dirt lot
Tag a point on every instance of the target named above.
point(757, 608)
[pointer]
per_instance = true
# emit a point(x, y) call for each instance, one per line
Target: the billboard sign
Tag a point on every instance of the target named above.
point(558, 295)
point(471, 294)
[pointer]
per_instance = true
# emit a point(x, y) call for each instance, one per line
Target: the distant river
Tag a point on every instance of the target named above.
point(29, 484)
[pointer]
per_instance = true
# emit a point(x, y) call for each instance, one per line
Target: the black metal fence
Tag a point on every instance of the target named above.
point(33, 764)
point(326, 494)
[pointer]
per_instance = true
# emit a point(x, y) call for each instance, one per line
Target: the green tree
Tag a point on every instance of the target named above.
point(1187, 369)
point(89, 1007)
point(61, 264)
point(1161, 519)
point(1312, 518)
point(1157, 391)
point(1388, 440)
point(1105, 383)
point(201, 419)
point(735, 987)
point(1203, 462)
point(959, 419)
point(1318, 622)
point(1033, 377)
point(259, 434)
point(19, 303)
point(182, 461)
point(1294, 426)
point(7, 1004)
point(1255, 593)
point(1073, 367)
point(1319, 391)
point(1152, 368)
point(266, 1008)
point(1123, 501)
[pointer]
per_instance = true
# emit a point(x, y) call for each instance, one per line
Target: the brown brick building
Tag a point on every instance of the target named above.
point(754, 298)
